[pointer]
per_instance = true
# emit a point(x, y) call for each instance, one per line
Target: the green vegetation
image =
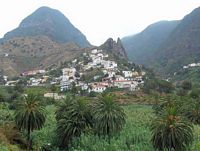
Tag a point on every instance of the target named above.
point(109, 117)
point(171, 131)
point(100, 123)
point(75, 119)
point(30, 115)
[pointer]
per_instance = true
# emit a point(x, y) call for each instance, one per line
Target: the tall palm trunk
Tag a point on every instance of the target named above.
point(29, 136)
point(108, 132)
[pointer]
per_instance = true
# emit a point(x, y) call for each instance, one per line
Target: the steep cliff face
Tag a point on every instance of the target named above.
point(115, 47)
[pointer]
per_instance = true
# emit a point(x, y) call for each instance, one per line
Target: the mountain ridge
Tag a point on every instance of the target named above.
point(182, 46)
point(141, 46)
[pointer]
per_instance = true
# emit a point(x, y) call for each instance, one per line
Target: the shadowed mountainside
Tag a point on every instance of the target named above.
point(141, 47)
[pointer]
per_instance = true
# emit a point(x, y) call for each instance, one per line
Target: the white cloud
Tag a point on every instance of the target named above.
point(100, 19)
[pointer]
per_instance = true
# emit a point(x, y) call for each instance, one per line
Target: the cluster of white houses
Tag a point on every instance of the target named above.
point(191, 65)
point(127, 80)
point(111, 76)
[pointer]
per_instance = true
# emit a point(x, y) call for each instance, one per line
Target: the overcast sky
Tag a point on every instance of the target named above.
point(100, 19)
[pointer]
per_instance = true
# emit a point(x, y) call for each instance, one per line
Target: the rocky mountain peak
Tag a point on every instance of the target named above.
point(115, 47)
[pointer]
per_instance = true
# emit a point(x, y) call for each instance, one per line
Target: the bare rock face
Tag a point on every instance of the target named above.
point(115, 47)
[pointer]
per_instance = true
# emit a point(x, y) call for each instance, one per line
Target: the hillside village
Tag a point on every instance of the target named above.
point(59, 92)
point(191, 65)
point(106, 74)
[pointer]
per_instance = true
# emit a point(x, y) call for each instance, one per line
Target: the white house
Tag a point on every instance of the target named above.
point(119, 78)
point(5, 78)
point(64, 85)
point(105, 71)
point(6, 55)
point(98, 88)
point(192, 65)
point(11, 83)
point(127, 74)
point(74, 61)
point(134, 86)
point(34, 82)
point(138, 79)
point(122, 84)
point(100, 55)
point(69, 72)
point(143, 73)
point(54, 95)
point(84, 87)
point(97, 60)
point(109, 64)
point(111, 74)
point(41, 71)
point(94, 51)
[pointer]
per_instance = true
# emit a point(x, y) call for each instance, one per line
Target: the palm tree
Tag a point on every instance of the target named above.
point(193, 112)
point(63, 106)
point(30, 115)
point(75, 120)
point(170, 131)
point(109, 117)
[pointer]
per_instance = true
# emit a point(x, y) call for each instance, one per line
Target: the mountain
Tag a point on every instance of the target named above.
point(114, 47)
point(51, 23)
point(141, 47)
point(182, 47)
point(43, 40)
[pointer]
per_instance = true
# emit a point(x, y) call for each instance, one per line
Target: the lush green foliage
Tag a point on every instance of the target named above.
point(186, 85)
point(109, 117)
point(161, 86)
point(30, 115)
point(135, 134)
point(192, 111)
point(47, 135)
point(75, 120)
point(170, 131)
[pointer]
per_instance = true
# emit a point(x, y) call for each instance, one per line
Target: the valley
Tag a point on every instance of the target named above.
point(58, 92)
